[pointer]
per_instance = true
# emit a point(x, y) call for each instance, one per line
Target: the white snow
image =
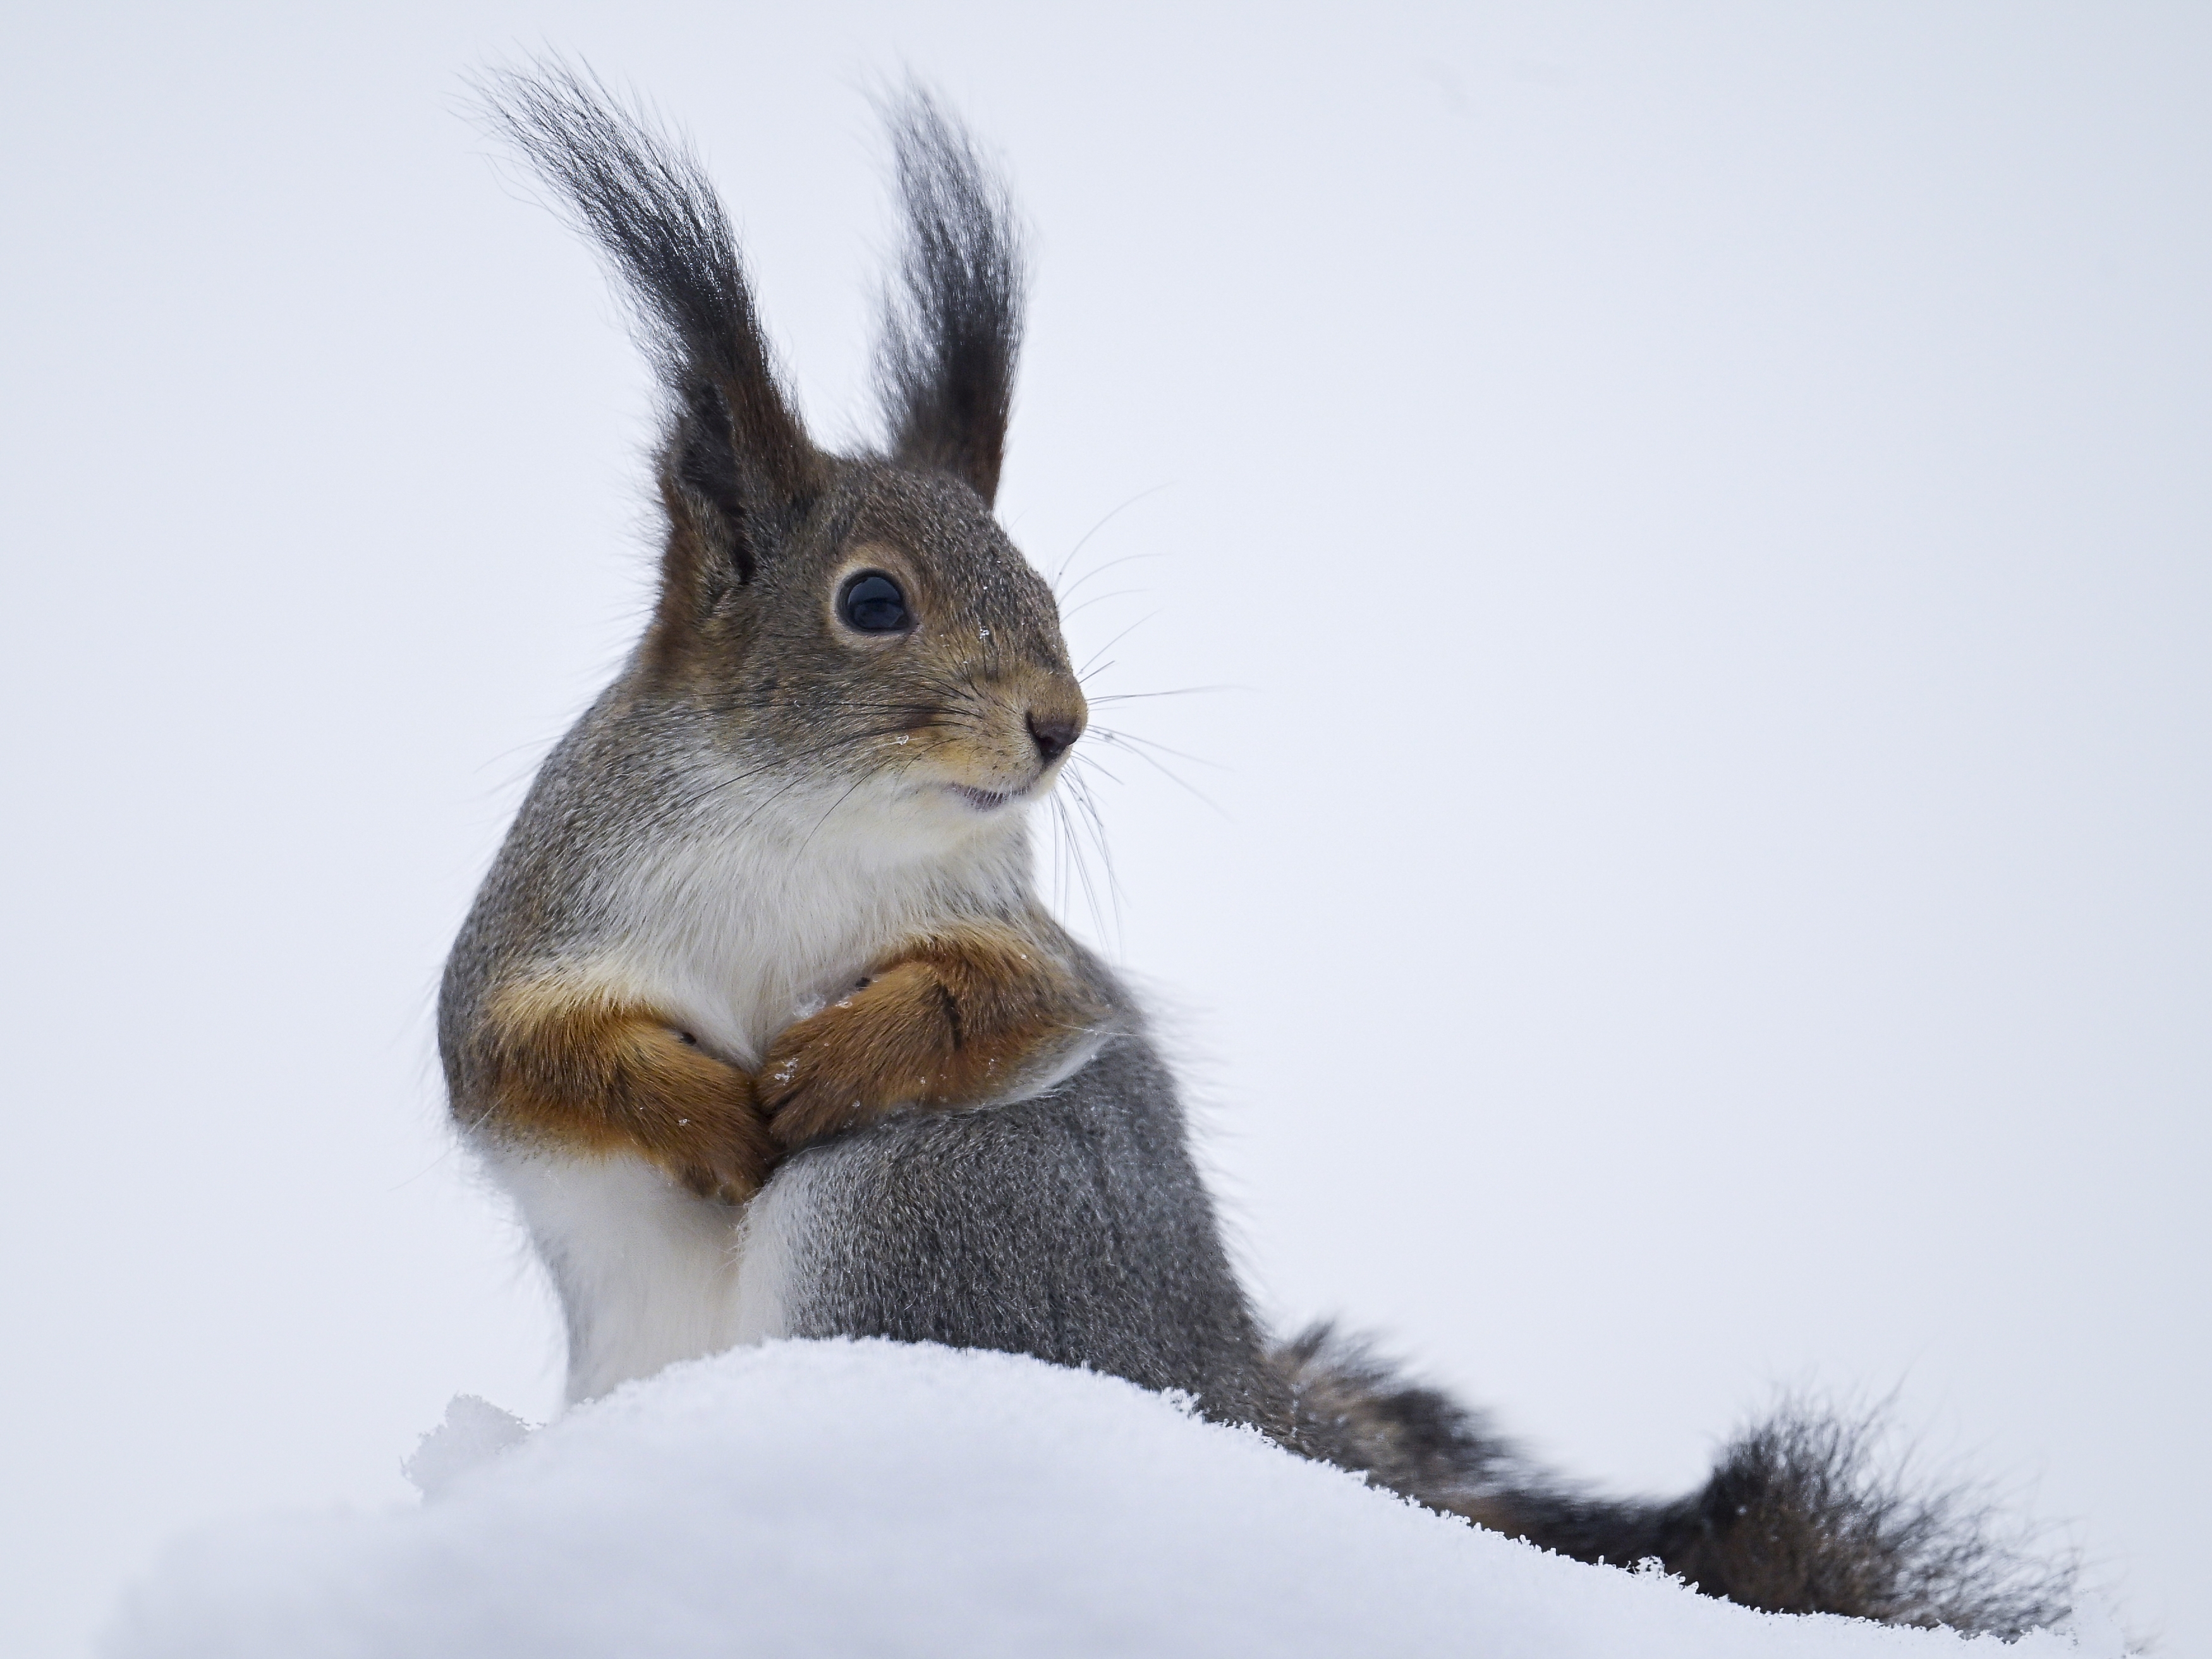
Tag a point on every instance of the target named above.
point(474, 1432)
point(867, 1497)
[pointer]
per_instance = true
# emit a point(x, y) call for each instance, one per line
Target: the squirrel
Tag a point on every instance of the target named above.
point(761, 1021)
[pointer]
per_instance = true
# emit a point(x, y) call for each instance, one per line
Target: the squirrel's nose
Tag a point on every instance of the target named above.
point(1055, 734)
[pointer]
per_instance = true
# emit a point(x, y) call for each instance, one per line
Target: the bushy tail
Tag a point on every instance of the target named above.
point(1800, 1515)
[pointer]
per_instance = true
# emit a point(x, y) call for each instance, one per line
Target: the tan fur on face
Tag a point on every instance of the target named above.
point(959, 1019)
point(583, 1070)
point(980, 736)
point(975, 689)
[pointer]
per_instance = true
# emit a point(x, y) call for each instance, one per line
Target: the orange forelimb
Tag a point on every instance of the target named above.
point(588, 1071)
point(959, 1018)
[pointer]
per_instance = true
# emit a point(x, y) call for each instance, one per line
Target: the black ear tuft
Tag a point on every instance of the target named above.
point(952, 319)
point(735, 446)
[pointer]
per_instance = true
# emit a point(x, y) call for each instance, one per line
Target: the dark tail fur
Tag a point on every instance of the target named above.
point(1799, 1515)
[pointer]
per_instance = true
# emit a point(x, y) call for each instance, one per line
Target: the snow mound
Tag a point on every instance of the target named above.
point(869, 1497)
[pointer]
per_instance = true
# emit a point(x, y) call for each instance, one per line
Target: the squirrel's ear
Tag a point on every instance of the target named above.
point(736, 469)
point(952, 317)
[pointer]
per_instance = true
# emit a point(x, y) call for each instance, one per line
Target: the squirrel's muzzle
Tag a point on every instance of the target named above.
point(1053, 732)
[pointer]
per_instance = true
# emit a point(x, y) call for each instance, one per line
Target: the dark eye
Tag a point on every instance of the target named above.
point(872, 603)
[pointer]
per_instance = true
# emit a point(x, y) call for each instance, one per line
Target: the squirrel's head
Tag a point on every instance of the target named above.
point(889, 646)
point(848, 634)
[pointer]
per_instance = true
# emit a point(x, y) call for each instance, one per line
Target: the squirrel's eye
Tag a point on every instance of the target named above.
point(872, 603)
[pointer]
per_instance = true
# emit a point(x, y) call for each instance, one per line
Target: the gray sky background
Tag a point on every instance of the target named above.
point(1709, 506)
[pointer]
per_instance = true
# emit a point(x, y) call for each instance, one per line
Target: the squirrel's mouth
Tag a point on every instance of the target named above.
point(987, 800)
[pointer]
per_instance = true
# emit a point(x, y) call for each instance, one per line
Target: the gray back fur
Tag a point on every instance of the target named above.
point(1073, 1227)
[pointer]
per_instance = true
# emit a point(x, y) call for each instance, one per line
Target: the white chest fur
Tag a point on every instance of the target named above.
point(745, 929)
point(739, 934)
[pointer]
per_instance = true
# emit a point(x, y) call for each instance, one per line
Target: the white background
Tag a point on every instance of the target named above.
point(1709, 505)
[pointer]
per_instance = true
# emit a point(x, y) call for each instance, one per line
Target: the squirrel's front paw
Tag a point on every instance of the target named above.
point(861, 1057)
point(719, 1144)
point(724, 1186)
